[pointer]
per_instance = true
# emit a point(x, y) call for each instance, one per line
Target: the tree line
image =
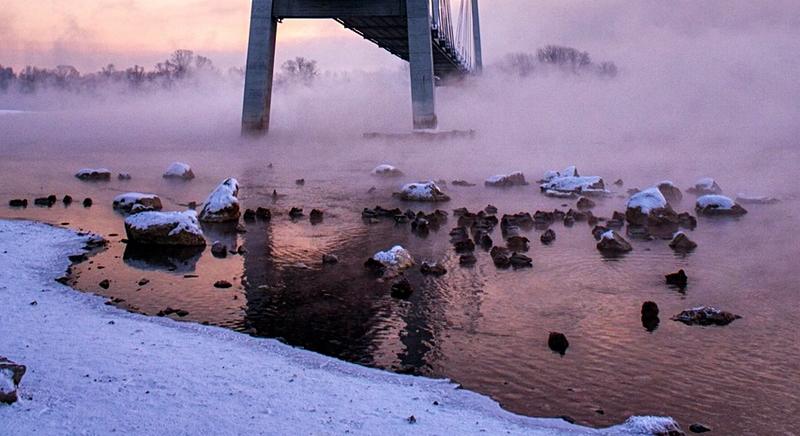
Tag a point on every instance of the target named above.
point(555, 57)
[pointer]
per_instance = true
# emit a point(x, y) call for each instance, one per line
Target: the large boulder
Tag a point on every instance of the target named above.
point(94, 174)
point(705, 315)
point(126, 202)
point(422, 191)
point(671, 192)
point(517, 178)
point(650, 208)
point(612, 242)
point(179, 170)
point(164, 228)
point(223, 203)
point(10, 377)
point(718, 205)
point(386, 170)
point(705, 186)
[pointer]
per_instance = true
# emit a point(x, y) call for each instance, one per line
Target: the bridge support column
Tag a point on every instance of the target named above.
point(259, 70)
point(420, 58)
point(476, 36)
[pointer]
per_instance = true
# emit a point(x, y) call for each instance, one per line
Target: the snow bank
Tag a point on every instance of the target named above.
point(647, 200)
point(179, 170)
point(94, 369)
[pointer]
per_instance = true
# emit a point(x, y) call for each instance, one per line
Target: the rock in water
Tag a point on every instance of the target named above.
point(558, 342)
point(67, 200)
point(755, 199)
point(650, 208)
point(520, 261)
point(87, 202)
point(18, 202)
point(263, 213)
point(316, 216)
point(680, 242)
point(105, 284)
point(568, 183)
point(467, 259)
point(393, 260)
point(612, 242)
point(402, 289)
point(699, 428)
point(548, 237)
point(94, 174)
point(218, 249)
point(386, 170)
point(705, 186)
point(179, 170)
point(126, 202)
point(670, 191)
point(123, 176)
point(679, 279)
point(222, 284)
point(329, 259)
point(296, 212)
point(165, 228)
point(650, 318)
point(516, 178)
point(249, 215)
point(705, 315)
point(433, 268)
point(10, 377)
point(422, 191)
point(718, 205)
point(585, 203)
point(223, 203)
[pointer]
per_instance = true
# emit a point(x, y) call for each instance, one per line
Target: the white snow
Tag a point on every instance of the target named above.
point(715, 201)
point(6, 381)
point(570, 171)
point(127, 200)
point(496, 178)
point(705, 183)
point(177, 169)
point(607, 235)
point(647, 200)
point(422, 191)
point(223, 196)
point(183, 221)
point(95, 369)
point(573, 184)
point(396, 257)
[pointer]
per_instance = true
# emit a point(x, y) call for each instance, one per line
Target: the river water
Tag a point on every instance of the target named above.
point(483, 327)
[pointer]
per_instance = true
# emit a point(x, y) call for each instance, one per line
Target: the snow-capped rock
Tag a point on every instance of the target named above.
point(125, 202)
point(386, 170)
point(705, 315)
point(570, 171)
point(568, 183)
point(705, 186)
point(94, 174)
point(671, 192)
point(222, 205)
point(396, 257)
point(681, 242)
point(422, 191)
point(516, 178)
point(164, 228)
point(179, 170)
point(613, 243)
point(718, 205)
point(10, 377)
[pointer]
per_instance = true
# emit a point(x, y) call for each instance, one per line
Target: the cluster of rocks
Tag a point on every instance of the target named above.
point(48, 201)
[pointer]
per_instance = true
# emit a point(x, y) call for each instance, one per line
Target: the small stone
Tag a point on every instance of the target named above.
point(649, 309)
point(249, 215)
point(143, 282)
point(462, 183)
point(490, 209)
point(67, 200)
point(123, 176)
point(222, 284)
point(241, 251)
point(329, 259)
point(548, 237)
point(105, 284)
point(300, 182)
point(181, 313)
point(679, 279)
point(467, 259)
point(316, 216)
point(411, 419)
point(11, 374)
point(619, 182)
point(433, 268)
point(263, 213)
point(520, 261)
point(585, 203)
point(612, 242)
point(87, 202)
point(18, 202)
point(402, 289)
point(558, 342)
point(296, 212)
point(699, 428)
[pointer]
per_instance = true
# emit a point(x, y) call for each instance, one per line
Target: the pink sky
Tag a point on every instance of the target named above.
point(91, 33)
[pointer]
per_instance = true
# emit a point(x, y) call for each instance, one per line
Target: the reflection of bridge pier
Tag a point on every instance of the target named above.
point(423, 32)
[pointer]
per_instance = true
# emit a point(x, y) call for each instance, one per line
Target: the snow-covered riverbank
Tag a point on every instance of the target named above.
point(94, 369)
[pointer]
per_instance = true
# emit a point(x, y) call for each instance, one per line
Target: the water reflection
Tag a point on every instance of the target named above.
point(179, 260)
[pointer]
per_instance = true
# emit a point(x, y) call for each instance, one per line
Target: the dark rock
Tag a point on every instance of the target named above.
point(682, 243)
point(484, 240)
point(87, 202)
point(699, 428)
point(420, 226)
point(402, 289)
point(670, 192)
point(558, 342)
point(375, 266)
point(517, 243)
point(462, 183)
point(585, 203)
point(503, 181)
point(181, 313)
point(316, 216)
point(705, 315)
point(296, 212)
point(467, 259)
point(329, 259)
point(433, 268)
point(717, 210)
point(249, 215)
point(548, 237)
point(569, 221)
point(143, 282)
point(18, 202)
point(687, 221)
point(520, 261)
point(241, 251)
point(218, 249)
point(679, 279)
point(45, 201)
point(613, 243)
point(649, 309)
point(619, 182)
point(11, 374)
point(94, 174)
point(501, 257)
point(598, 231)
point(67, 200)
point(464, 245)
point(490, 209)
point(105, 284)
point(222, 284)
point(263, 213)
point(123, 176)
point(300, 182)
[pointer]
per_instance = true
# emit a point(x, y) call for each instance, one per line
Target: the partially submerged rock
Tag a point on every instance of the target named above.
point(681, 242)
point(402, 289)
point(10, 377)
point(433, 268)
point(422, 191)
point(548, 237)
point(223, 203)
point(650, 208)
point(705, 186)
point(718, 205)
point(558, 342)
point(671, 192)
point(516, 178)
point(94, 174)
point(18, 202)
point(395, 259)
point(650, 318)
point(568, 183)
point(585, 204)
point(164, 228)
point(386, 170)
point(125, 202)
point(612, 242)
point(462, 183)
point(218, 249)
point(179, 170)
point(679, 279)
point(705, 315)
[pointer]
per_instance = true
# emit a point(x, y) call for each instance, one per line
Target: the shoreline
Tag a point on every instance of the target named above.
point(95, 369)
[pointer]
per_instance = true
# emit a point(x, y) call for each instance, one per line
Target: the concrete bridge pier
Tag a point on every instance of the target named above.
point(423, 97)
point(259, 69)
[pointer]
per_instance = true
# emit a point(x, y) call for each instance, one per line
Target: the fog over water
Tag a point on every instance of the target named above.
point(704, 89)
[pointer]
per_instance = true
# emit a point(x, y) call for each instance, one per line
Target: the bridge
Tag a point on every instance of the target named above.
point(437, 39)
